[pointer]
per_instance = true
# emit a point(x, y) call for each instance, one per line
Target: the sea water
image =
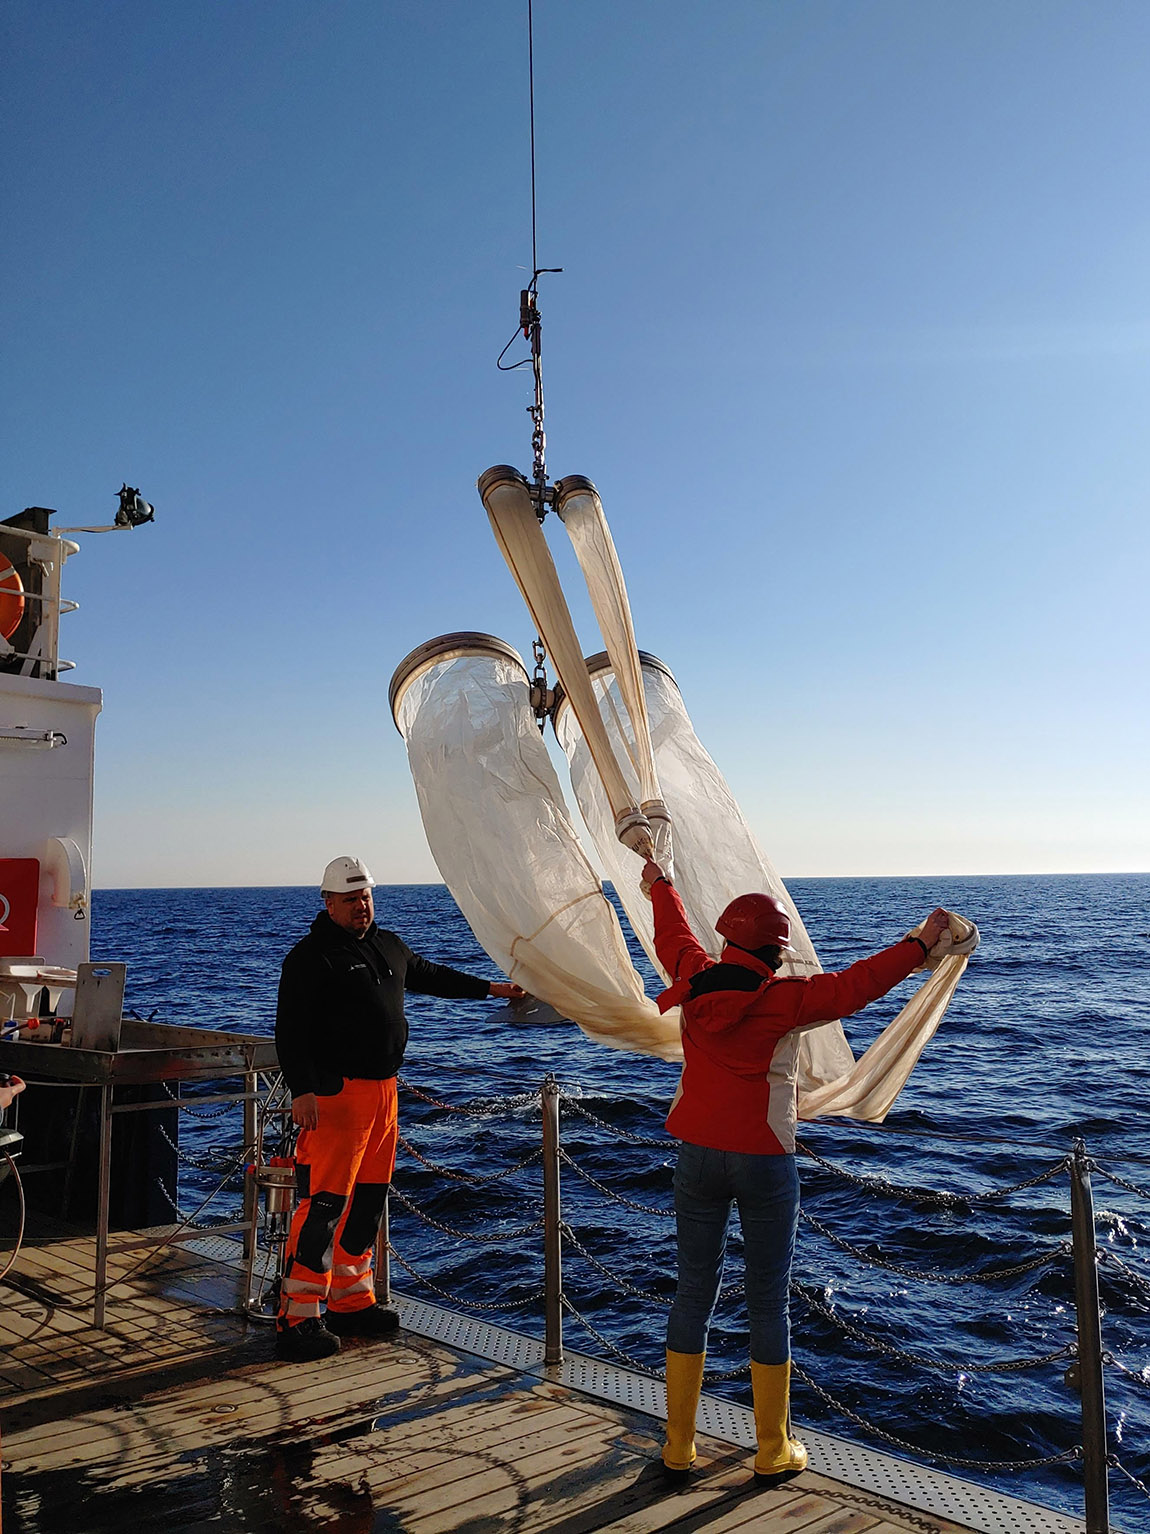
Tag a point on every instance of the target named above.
point(1047, 1040)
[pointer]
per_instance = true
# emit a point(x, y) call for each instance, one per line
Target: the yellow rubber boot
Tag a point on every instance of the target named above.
point(684, 1386)
point(780, 1456)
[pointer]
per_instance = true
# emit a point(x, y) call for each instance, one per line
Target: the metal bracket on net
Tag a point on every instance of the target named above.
point(542, 496)
point(542, 697)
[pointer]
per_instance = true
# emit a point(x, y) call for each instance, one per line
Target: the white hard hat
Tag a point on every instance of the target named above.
point(343, 874)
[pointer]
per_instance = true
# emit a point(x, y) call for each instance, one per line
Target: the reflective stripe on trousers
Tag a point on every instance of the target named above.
point(344, 1167)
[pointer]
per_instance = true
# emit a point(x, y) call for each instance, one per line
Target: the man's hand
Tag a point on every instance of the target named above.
point(305, 1111)
point(933, 927)
point(651, 872)
point(10, 1091)
point(506, 990)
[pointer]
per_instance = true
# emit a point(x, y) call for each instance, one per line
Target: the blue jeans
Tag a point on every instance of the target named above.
point(766, 1189)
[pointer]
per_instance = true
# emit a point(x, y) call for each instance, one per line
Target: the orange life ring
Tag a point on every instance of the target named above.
point(11, 598)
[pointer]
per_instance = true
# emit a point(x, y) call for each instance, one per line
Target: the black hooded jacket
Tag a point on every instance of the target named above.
point(340, 1009)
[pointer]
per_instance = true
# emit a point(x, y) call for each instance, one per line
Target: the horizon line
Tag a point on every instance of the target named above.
point(1104, 873)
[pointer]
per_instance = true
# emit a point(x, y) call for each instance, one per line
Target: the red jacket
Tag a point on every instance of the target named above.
point(740, 1047)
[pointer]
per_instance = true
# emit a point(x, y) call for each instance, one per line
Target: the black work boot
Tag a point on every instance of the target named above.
point(304, 1342)
point(372, 1321)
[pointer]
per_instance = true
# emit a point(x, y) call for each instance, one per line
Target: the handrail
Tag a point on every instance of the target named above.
point(1088, 1375)
point(551, 1301)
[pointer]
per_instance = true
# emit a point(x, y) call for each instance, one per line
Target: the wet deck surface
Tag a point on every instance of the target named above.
point(177, 1418)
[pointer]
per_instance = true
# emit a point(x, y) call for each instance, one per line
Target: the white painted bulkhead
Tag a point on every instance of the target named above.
point(47, 748)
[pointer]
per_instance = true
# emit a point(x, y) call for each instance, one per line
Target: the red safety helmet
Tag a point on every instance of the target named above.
point(753, 921)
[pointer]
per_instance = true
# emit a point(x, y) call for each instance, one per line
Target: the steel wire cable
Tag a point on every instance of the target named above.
point(629, 1203)
point(918, 1449)
point(935, 1276)
point(455, 1299)
point(891, 1350)
point(19, 1185)
point(882, 1186)
point(464, 1235)
point(468, 1177)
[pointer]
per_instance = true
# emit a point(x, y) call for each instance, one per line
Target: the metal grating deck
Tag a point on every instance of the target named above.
point(884, 1475)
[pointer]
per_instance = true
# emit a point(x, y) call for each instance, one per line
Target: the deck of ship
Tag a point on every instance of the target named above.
point(178, 1418)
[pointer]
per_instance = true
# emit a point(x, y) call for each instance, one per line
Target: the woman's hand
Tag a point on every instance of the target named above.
point(933, 927)
point(506, 990)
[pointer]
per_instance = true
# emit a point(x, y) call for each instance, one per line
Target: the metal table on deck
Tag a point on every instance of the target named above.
point(148, 1053)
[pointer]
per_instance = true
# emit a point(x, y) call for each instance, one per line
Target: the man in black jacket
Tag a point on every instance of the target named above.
point(340, 1035)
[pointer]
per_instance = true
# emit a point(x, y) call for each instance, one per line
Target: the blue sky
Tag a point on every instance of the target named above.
point(853, 335)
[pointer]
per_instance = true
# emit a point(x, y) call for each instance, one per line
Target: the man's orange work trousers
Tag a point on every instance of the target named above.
point(343, 1170)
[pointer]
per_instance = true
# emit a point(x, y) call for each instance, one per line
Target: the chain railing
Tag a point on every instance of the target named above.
point(882, 1186)
point(465, 1182)
point(935, 1275)
point(877, 1187)
point(540, 1212)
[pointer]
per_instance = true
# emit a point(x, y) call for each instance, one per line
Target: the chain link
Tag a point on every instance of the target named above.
point(628, 1288)
point(1121, 1181)
point(717, 1376)
point(1116, 1464)
point(711, 1377)
point(167, 1192)
point(882, 1186)
point(468, 1177)
point(464, 1235)
point(623, 1134)
point(933, 1275)
point(1107, 1256)
point(629, 1203)
point(935, 1454)
point(508, 1104)
point(533, 1298)
point(891, 1351)
point(608, 1346)
point(216, 1113)
point(1139, 1376)
point(213, 1167)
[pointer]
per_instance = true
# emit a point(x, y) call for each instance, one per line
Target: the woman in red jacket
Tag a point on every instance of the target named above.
point(735, 1114)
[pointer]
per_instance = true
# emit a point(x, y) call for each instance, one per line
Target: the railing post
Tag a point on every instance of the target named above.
point(552, 1259)
point(383, 1259)
point(253, 1149)
point(1089, 1372)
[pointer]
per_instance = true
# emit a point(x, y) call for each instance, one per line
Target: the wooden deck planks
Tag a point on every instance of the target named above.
point(408, 1433)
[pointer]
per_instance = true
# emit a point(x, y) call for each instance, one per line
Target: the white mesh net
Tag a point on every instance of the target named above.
point(499, 831)
point(717, 856)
